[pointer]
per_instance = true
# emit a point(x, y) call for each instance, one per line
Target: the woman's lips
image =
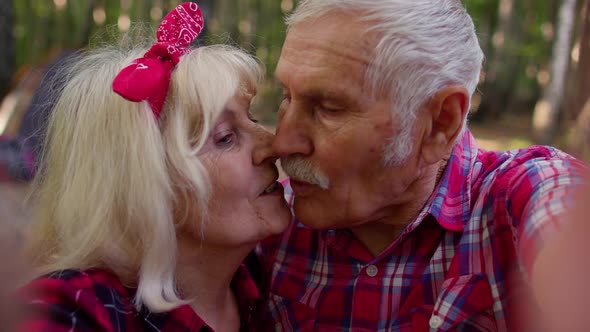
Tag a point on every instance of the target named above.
point(275, 189)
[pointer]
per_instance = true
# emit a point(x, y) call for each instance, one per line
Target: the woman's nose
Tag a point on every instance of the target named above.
point(263, 151)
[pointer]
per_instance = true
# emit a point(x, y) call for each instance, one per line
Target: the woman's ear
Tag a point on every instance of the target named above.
point(446, 112)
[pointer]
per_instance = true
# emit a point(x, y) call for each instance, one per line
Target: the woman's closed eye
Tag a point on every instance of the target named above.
point(224, 139)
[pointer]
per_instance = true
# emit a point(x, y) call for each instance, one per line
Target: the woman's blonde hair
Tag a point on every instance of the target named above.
point(115, 183)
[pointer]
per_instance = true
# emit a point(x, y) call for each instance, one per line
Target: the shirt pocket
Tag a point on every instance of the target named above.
point(465, 303)
point(283, 314)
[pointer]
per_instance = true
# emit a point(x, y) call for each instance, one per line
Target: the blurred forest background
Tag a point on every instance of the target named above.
point(534, 88)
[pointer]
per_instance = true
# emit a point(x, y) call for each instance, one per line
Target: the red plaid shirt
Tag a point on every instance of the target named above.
point(96, 300)
point(462, 264)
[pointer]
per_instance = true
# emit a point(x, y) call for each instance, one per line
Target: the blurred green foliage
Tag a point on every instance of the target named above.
point(516, 35)
point(44, 28)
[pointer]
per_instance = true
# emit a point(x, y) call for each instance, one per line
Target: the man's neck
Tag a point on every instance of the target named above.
point(377, 235)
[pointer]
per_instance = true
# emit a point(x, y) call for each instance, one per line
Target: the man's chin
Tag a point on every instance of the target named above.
point(315, 215)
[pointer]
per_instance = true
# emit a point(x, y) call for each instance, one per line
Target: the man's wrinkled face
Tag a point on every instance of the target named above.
point(331, 132)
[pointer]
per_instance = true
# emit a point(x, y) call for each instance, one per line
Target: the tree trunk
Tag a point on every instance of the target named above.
point(579, 144)
point(546, 114)
point(7, 48)
point(85, 27)
point(499, 85)
point(503, 32)
point(227, 19)
point(207, 10)
point(583, 72)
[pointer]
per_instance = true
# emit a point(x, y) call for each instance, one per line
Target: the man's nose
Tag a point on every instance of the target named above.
point(293, 133)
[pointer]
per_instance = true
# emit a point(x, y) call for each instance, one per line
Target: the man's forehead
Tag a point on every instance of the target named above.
point(316, 48)
point(324, 45)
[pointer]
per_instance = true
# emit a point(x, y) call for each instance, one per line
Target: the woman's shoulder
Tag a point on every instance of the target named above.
point(76, 300)
point(78, 286)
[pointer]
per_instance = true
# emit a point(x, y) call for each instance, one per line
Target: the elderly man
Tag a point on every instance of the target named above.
point(402, 223)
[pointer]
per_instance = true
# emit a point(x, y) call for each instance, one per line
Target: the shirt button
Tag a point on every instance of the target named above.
point(372, 270)
point(435, 322)
point(331, 237)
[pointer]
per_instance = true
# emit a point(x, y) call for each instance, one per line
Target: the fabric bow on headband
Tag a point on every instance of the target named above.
point(148, 78)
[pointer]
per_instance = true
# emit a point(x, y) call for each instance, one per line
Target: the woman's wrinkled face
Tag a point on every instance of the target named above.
point(246, 202)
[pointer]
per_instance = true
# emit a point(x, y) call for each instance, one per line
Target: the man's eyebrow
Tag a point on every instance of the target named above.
point(317, 92)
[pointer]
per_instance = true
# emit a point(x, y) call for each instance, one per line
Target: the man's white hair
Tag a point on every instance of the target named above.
point(422, 46)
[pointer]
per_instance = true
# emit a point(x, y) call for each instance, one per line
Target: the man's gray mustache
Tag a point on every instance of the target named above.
point(301, 169)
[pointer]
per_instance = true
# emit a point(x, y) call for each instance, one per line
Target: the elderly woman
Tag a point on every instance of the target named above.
point(155, 185)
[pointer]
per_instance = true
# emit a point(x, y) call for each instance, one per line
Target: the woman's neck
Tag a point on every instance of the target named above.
point(204, 278)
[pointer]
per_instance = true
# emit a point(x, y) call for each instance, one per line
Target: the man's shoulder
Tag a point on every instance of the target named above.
point(473, 171)
point(528, 155)
point(534, 161)
point(492, 181)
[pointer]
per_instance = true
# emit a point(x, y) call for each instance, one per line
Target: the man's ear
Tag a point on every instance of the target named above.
point(445, 113)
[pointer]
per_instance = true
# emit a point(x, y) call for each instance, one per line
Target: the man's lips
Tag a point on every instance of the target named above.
point(302, 187)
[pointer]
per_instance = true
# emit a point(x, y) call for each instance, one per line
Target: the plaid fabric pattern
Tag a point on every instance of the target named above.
point(96, 300)
point(461, 265)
